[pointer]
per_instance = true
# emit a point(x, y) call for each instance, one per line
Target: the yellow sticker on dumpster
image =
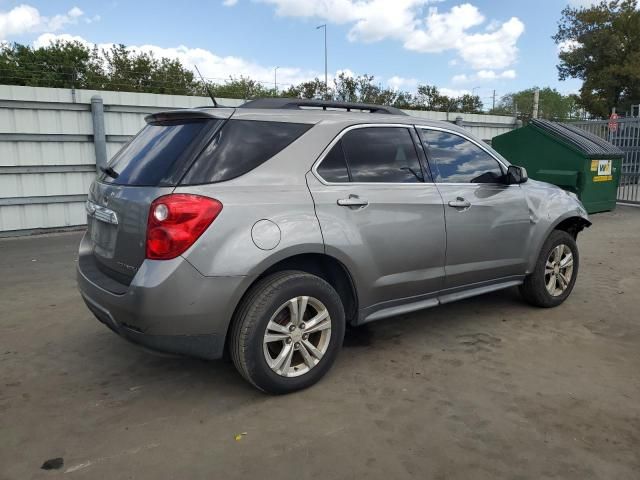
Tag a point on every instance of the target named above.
point(602, 178)
point(594, 165)
point(604, 167)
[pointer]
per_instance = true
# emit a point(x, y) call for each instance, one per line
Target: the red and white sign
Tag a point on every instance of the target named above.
point(613, 122)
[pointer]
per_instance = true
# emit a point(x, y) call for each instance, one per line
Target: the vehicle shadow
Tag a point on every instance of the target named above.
point(138, 367)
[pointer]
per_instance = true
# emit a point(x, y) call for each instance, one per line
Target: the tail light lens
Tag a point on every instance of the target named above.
point(176, 221)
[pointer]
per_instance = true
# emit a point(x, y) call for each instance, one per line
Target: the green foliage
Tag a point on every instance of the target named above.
point(73, 64)
point(605, 54)
point(552, 105)
point(312, 89)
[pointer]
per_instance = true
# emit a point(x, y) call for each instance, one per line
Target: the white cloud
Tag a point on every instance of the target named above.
point(95, 18)
point(568, 45)
point(484, 75)
point(405, 20)
point(492, 50)
point(582, 3)
point(453, 92)
point(461, 78)
point(46, 39)
point(229, 3)
point(26, 19)
point(400, 83)
point(75, 12)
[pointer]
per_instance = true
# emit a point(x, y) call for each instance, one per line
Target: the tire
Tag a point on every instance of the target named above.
point(536, 287)
point(270, 303)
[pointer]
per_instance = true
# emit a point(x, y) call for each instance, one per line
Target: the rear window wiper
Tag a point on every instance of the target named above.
point(110, 171)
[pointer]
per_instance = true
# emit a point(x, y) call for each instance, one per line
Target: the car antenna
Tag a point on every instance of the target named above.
point(206, 86)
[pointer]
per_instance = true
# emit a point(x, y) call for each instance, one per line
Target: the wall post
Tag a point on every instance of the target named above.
point(99, 135)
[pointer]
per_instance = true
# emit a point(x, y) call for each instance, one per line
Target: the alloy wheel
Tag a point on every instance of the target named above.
point(558, 270)
point(297, 336)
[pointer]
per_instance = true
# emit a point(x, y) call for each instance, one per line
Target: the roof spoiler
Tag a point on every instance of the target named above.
point(188, 114)
point(298, 104)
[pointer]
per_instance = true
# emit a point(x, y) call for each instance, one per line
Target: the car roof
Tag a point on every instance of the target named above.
point(316, 116)
point(337, 114)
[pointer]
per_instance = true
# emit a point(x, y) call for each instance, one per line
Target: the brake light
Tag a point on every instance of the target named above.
point(176, 221)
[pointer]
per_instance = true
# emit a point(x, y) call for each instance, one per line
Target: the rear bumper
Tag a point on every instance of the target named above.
point(169, 306)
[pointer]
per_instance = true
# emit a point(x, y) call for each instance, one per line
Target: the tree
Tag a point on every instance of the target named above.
point(238, 87)
point(470, 103)
point(312, 89)
point(552, 105)
point(601, 46)
point(430, 98)
point(73, 64)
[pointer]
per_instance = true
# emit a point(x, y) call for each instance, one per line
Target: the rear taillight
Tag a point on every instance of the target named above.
point(176, 221)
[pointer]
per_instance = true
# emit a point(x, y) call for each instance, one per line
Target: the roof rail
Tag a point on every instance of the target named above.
point(300, 103)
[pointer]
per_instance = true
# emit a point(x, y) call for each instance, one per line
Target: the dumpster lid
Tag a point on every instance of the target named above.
point(589, 144)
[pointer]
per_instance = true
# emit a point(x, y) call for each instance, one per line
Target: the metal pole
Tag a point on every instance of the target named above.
point(536, 101)
point(99, 135)
point(275, 80)
point(326, 82)
point(326, 76)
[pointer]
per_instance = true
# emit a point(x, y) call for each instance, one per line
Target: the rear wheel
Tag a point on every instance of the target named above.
point(555, 273)
point(287, 332)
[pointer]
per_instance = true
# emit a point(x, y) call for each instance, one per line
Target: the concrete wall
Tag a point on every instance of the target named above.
point(48, 156)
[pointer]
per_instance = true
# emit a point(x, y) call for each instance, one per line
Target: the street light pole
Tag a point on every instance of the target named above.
point(326, 81)
point(275, 80)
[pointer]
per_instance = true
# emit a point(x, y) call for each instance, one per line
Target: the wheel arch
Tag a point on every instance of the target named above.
point(570, 223)
point(322, 265)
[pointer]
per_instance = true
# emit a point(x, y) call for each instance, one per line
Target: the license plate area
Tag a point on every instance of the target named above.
point(103, 236)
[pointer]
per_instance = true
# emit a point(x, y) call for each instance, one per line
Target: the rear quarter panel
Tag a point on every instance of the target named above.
point(227, 247)
point(275, 191)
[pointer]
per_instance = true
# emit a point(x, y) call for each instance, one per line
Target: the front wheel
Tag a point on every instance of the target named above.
point(287, 332)
point(555, 273)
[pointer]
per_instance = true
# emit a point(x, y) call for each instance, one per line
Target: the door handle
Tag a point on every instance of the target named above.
point(353, 201)
point(460, 203)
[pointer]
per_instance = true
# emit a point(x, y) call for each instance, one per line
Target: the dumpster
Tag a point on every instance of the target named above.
point(568, 157)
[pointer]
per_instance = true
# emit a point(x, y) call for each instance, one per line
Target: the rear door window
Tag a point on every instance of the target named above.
point(382, 154)
point(241, 146)
point(157, 155)
point(334, 166)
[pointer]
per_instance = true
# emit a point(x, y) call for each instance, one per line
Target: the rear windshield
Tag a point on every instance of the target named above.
point(159, 154)
point(241, 146)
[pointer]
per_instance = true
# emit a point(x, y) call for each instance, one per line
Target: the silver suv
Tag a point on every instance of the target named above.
point(264, 231)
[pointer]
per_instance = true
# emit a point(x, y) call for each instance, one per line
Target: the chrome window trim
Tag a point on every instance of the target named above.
point(338, 137)
point(327, 149)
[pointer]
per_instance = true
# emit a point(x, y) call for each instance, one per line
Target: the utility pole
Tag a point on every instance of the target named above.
point(536, 101)
point(494, 100)
point(326, 81)
point(275, 80)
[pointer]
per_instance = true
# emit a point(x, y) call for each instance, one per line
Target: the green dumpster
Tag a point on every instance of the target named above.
point(567, 156)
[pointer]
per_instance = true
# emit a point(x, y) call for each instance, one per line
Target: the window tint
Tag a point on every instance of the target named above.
point(457, 160)
point(334, 167)
point(241, 146)
point(154, 155)
point(382, 154)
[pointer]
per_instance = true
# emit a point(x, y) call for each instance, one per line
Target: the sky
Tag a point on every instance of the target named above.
point(462, 47)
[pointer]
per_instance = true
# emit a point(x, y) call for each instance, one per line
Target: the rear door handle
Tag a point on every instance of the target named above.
point(353, 201)
point(460, 203)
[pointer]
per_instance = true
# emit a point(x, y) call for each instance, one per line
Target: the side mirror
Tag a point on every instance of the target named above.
point(516, 175)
